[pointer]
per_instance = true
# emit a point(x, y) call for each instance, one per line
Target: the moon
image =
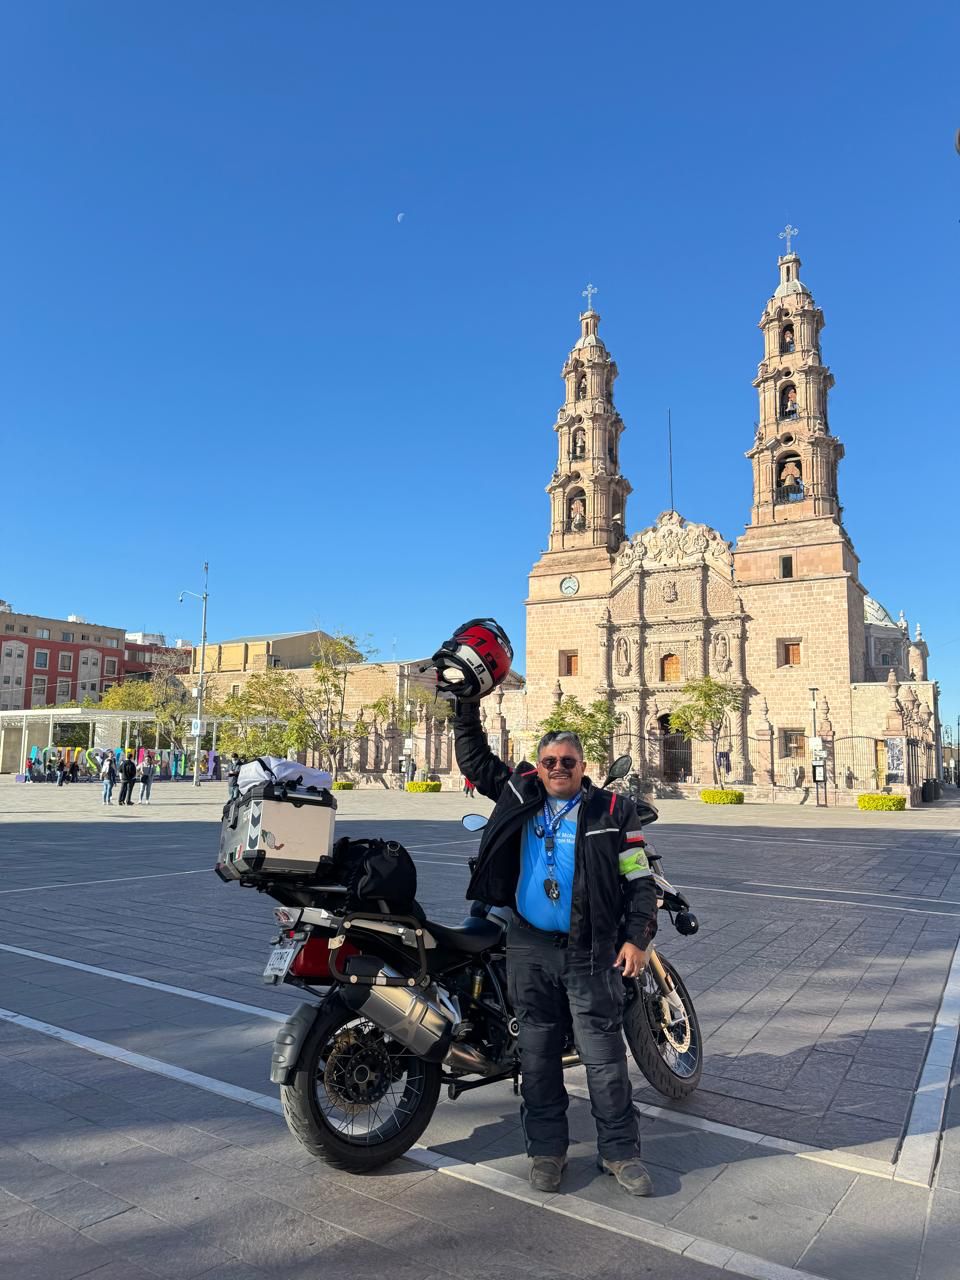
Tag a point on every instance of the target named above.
point(401, 216)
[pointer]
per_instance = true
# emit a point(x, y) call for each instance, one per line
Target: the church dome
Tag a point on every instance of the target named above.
point(875, 613)
point(790, 287)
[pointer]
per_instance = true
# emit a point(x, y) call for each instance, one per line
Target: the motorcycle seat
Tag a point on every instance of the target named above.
point(473, 936)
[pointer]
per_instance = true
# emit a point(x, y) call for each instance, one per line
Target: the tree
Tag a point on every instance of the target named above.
point(704, 712)
point(438, 708)
point(130, 695)
point(275, 713)
point(257, 717)
point(593, 725)
point(162, 693)
point(171, 703)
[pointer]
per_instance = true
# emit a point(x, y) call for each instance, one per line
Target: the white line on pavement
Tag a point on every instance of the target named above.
point(864, 893)
point(838, 1159)
point(923, 851)
point(823, 1155)
point(920, 1151)
point(833, 902)
point(154, 1065)
point(79, 884)
point(569, 1206)
point(255, 1010)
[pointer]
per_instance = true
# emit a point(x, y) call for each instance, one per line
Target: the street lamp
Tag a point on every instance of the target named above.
point(203, 654)
point(410, 723)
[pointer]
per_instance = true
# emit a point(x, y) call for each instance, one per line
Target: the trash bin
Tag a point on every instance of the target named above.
point(926, 791)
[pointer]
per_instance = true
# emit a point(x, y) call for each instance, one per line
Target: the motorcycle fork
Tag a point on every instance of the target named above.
point(665, 983)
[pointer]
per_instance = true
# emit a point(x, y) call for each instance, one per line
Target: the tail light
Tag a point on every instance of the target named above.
point(312, 961)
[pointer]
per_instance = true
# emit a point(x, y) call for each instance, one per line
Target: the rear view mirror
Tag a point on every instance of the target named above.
point(474, 821)
point(619, 769)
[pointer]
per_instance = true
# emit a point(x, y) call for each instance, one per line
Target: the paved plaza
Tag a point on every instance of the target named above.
point(140, 1135)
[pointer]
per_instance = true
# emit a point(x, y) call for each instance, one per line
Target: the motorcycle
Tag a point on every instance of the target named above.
point(407, 1006)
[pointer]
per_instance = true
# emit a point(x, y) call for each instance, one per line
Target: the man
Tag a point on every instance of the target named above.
point(233, 776)
point(568, 858)
point(146, 779)
point(128, 775)
point(108, 774)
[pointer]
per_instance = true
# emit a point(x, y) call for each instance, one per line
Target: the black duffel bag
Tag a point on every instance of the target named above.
point(376, 871)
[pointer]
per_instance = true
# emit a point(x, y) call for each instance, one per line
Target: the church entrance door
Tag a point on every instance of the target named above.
point(676, 754)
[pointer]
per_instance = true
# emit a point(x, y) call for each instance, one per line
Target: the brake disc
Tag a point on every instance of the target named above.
point(675, 1031)
point(357, 1073)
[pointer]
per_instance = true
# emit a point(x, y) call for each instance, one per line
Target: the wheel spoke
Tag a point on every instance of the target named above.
point(367, 1086)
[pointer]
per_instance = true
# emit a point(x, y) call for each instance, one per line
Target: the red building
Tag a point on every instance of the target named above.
point(45, 662)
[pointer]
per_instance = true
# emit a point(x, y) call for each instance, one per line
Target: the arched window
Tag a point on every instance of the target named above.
point(788, 401)
point(576, 511)
point(579, 444)
point(670, 668)
point(786, 340)
point(789, 478)
point(582, 387)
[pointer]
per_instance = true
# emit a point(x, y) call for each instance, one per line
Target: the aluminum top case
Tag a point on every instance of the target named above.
point(276, 829)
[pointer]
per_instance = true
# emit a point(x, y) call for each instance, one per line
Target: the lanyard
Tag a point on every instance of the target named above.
point(551, 826)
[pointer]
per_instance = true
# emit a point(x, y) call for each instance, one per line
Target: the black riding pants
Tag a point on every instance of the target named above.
point(549, 983)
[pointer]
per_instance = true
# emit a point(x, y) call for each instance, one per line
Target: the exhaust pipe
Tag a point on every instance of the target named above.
point(421, 1019)
point(464, 1057)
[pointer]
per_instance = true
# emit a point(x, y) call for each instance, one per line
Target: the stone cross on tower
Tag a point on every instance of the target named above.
point(787, 233)
point(588, 293)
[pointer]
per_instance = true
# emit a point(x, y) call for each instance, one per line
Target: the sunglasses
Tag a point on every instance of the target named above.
point(551, 762)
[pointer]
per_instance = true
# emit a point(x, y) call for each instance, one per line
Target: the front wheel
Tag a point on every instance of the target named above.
point(357, 1098)
point(665, 1041)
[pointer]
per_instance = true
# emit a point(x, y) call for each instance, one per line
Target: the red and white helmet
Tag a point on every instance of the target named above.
point(474, 661)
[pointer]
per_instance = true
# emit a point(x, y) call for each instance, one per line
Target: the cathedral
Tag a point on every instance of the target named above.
point(824, 671)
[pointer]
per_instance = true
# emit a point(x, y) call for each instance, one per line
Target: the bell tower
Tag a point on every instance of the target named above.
point(794, 566)
point(569, 586)
point(588, 495)
point(794, 456)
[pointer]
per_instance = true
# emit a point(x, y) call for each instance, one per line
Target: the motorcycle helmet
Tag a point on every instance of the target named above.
point(474, 660)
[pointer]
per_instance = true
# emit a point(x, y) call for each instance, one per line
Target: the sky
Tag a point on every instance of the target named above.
point(219, 340)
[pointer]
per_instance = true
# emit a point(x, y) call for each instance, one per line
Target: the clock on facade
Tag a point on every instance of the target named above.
point(570, 586)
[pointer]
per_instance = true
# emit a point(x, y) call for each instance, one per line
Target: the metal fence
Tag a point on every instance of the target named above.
point(854, 764)
point(859, 764)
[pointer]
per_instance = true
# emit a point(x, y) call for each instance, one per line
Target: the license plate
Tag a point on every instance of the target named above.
point(281, 958)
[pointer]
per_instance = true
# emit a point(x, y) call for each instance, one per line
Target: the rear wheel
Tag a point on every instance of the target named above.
point(357, 1098)
point(665, 1040)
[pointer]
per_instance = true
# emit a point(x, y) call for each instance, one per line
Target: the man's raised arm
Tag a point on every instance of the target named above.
point(477, 762)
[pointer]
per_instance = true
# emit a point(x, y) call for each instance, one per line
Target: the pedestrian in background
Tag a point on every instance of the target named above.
point(61, 768)
point(74, 770)
point(108, 773)
point(146, 779)
point(233, 777)
point(128, 775)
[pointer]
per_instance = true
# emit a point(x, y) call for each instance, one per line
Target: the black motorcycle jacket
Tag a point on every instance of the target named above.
point(614, 894)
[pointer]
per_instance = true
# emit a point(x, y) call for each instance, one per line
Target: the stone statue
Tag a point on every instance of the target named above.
point(622, 656)
point(721, 653)
point(670, 592)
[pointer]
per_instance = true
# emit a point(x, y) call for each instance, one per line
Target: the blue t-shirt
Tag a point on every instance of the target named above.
point(532, 901)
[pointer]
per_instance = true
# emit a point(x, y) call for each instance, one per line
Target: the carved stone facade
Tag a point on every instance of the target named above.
point(632, 618)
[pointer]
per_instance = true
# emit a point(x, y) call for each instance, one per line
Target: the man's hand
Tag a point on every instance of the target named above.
point(631, 960)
